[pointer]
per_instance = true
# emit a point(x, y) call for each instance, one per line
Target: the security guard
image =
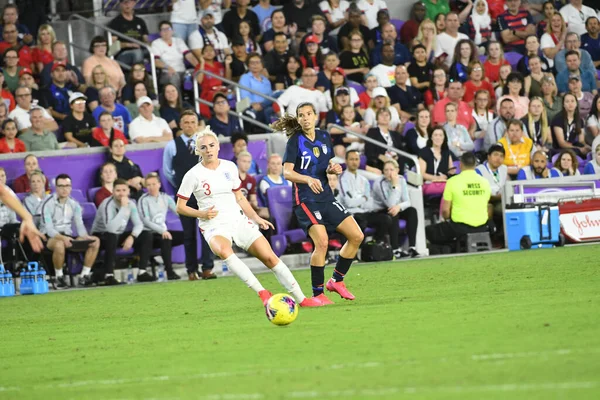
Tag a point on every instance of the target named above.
point(465, 206)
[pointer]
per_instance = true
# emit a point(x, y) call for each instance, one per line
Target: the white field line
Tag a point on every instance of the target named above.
point(508, 387)
point(407, 390)
point(496, 357)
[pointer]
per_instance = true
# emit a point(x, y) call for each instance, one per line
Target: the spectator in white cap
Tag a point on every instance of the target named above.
point(79, 124)
point(170, 53)
point(147, 127)
point(379, 100)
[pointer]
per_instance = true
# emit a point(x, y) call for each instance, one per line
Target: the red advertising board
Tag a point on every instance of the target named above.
point(580, 219)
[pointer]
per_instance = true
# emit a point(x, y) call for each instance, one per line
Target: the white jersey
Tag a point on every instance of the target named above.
point(213, 188)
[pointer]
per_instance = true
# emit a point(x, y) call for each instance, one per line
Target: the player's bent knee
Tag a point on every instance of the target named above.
point(321, 244)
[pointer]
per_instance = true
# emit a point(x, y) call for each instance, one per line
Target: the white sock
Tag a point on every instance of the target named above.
point(243, 272)
point(287, 280)
point(85, 271)
point(58, 272)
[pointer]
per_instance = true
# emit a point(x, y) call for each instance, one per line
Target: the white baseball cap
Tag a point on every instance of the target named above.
point(143, 100)
point(379, 91)
point(76, 95)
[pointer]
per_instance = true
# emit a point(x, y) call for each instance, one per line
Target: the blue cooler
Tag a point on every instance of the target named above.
point(532, 225)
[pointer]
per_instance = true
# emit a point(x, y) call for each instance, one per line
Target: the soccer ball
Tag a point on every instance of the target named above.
point(281, 309)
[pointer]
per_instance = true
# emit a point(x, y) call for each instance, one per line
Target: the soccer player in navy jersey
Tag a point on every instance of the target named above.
point(307, 162)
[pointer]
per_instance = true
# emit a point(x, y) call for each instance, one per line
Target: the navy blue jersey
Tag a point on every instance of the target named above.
point(310, 158)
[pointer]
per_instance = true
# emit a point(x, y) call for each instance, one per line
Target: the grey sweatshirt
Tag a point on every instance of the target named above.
point(385, 196)
point(113, 218)
point(153, 211)
point(355, 193)
point(33, 204)
point(58, 218)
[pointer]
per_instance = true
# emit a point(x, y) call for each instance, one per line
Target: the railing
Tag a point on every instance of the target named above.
point(236, 115)
point(113, 32)
point(237, 86)
point(385, 146)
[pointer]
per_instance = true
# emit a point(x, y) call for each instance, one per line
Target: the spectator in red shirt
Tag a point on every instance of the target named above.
point(7, 97)
point(477, 82)
point(42, 52)
point(105, 133)
point(108, 176)
point(248, 185)
point(496, 7)
point(21, 184)
point(209, 85)
point(9, 143)
point(454, 95)
point(410, 29)
point(11, 39)
point(437, 88)
point(494, 62)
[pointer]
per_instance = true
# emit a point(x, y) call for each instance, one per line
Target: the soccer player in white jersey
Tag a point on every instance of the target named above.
point(225, 217)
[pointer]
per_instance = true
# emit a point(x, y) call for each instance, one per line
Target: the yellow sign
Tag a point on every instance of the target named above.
point(316, 151)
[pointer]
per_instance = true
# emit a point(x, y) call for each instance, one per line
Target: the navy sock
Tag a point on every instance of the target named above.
point(341, 268)
point(318, 279)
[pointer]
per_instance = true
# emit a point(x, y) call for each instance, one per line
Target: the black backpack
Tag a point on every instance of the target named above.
point(376, 251)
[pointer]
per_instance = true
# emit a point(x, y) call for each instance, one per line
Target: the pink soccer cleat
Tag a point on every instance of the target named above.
point(323, 299)
point(339, 288)
point(311, 302)
point(265, 295)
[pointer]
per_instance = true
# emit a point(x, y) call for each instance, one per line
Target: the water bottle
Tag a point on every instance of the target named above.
point(11, 284)
point(129, 275)
point(161, 273)
point(224, 269)
point(188, 81)
point(43, 281)
point(3, 282)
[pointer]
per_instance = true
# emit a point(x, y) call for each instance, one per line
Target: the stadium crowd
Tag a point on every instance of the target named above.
point(513, 83)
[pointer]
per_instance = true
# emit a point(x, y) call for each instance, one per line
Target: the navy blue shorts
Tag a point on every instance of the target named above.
point(329, 214)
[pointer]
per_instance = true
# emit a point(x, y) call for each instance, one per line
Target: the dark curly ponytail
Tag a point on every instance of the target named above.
point(289, 123)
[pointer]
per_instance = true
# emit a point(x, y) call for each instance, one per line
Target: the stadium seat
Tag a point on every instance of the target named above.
point(88, 211)
point(580, 161)
point(281, 209)
point(513, 58)
point(21, 196)
point(91, 193)
point(398, 24)
point(356, 86)
point(483, 58)
point(407, 127)
point(78, 196)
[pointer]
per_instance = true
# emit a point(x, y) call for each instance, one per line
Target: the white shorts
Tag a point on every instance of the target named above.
point(240, 231)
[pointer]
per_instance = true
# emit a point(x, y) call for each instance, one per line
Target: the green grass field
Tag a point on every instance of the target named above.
point(522, 325)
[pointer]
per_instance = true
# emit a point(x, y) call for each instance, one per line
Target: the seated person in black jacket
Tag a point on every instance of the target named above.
point(126, 169)
point(377, 155)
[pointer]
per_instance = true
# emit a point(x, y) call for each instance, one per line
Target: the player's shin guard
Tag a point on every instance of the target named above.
point(243, 272)
point(318, 279)
point(341, 268)
point(287, 280)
